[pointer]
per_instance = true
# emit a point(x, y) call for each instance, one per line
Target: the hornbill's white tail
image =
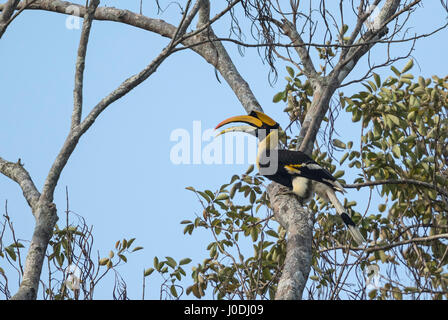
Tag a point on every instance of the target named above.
point(352, 228)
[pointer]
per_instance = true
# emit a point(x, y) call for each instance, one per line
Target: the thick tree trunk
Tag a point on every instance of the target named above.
point(46, 220)
point(298, 223)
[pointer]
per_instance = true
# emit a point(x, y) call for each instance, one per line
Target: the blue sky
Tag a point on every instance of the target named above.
point(120, 177)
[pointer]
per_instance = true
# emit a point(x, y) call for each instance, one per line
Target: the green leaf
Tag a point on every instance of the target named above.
point(171, 262)
point(234, 178)
point(278, 97)
point(195, 290)
point(204, 195)
point(252, 197)
point(137, 249)
point(377, 79)
point(222, 196)
point(290, 71)
point(254, 234)
point(148, 272)
point(272, 233)
point(250, 169)
point(407, 76)
point(343, 158)
point(408, 66)
point(397, 294)
point(11, 253)
point(395, 70)
point(396, 151)
point(394, 119)
point(173, 291)
point(372, 85)
point(17, 245)
point(383, 256)
point(235, 187)
point(338, 174)
point(210, 194)
point(338, 143)
point(184, 261)
point(130, 242)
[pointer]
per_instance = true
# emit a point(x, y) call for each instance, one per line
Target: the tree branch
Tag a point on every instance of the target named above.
point(5, 17)
point(80, 63)
point(403, 181)
point(299, 45)
point(18, 173)
point(377, 29)
point(8, 9)
point(388, 246)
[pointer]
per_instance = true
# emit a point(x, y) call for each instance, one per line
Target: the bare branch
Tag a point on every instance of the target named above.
point(388, 246)
point(5, 17)
point(403, 181)
point(18, 173)
point(8, 9)
point(300, 47)
point(80, 63)
point(377, 30)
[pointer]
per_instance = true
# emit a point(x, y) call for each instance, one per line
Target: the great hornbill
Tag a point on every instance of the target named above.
point(292, 169)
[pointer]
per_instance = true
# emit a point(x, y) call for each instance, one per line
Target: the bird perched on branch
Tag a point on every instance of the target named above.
point(292, 169)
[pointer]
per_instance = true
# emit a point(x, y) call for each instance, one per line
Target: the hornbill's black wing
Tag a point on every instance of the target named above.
point(295, 163)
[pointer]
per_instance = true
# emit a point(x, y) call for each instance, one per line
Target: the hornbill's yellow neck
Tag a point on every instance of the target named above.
point(266, 144)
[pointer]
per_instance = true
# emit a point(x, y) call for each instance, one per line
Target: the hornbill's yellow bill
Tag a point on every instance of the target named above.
point(294, 169)
point(256, 121)
point(245, 119)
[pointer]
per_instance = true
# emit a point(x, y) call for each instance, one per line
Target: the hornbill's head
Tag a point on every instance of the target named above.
point(259, 125)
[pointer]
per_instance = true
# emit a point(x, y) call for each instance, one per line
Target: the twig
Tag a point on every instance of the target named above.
point(388, 246)
point(403, 181)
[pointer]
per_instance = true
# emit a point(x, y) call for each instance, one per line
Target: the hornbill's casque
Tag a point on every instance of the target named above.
point(292, 169)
